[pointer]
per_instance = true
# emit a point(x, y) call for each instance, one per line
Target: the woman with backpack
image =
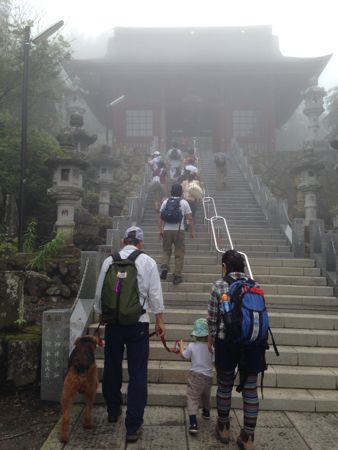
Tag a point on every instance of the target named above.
point(249, 358)
point(192, 192)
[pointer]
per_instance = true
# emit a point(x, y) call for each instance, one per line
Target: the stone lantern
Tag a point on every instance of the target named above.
point(105, 164)
point(313, 107)
point(307, 170)
point(67, 187)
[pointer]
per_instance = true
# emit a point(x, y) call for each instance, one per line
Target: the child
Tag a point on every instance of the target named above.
point(200, 374)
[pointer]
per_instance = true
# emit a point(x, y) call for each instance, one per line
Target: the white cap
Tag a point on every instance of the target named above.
point(156, 153)
point(135, 232)
point(190, 168)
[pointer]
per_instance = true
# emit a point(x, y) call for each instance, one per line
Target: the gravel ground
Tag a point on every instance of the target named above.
point(25, 421)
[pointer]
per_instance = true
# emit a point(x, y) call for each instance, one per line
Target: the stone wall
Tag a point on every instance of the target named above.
point(54, 288)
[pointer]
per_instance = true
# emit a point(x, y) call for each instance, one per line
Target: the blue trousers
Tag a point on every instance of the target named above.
point(136, 339)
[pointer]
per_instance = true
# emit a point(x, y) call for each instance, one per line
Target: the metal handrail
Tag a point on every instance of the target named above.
point(219, 250)
point(206, 201)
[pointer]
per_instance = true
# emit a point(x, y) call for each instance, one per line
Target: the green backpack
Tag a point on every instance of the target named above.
point(120, 296)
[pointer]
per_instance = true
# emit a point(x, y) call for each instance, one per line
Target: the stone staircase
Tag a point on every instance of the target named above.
point(303, 310)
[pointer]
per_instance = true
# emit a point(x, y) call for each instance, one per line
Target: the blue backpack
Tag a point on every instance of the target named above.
point(172, 212)
point(246, 318)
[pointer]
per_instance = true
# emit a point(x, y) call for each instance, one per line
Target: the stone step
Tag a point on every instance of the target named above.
point(259, 262)
point(197, 247)
point(269, 289)
point(251, 254)
point(285, 302)
point(283, 336)
point(288, 355)
point(256, 270)
point(184, 316)
point(275, 399)
point(291, 377)
point(261, 279)
point(280, 241)
point(204, 228)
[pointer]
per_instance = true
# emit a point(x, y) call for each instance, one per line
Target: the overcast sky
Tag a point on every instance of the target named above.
point(304, 27)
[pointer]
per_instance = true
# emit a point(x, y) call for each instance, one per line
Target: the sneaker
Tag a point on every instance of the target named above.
point(177, 279)
point(113, 418)
point(193, 429)
point(223, 431)
point(133, 437)
point(245, 441)
point(205, 414)
point(163, 274)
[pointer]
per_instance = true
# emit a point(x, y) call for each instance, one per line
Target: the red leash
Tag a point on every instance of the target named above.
point(174, 349)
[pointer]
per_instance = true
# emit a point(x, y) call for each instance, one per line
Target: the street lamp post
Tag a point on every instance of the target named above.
point(24, 113)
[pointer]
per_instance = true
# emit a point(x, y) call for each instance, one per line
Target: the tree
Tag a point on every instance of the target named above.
point(46, 89)
point(45, 85)
point(330, 121)
point(41, 146)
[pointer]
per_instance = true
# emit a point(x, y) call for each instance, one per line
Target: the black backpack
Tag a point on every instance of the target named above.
point(120, 296)
point(172, 212)
point(174, 154)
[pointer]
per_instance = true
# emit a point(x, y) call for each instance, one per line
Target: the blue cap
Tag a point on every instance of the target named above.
point(200, 328)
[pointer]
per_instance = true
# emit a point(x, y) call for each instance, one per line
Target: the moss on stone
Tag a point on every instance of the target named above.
point(32, 332)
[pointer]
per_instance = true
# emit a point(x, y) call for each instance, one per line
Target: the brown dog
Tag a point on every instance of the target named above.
point(81, 377)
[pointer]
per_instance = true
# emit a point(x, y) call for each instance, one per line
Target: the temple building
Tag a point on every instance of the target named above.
point(215, 84)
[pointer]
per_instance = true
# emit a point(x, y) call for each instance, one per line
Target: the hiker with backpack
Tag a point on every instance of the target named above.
point(175, 159)
point(192, 191)
point(173, 212)
point(238, 333)
point(159, 184)
point(128, 285)
point(220, 160)
point(154, 161)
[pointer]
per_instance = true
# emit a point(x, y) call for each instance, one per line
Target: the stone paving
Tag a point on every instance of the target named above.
point(165, 428)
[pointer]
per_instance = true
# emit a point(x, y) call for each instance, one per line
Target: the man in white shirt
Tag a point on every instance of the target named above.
point(172, 233)
point(134, 337)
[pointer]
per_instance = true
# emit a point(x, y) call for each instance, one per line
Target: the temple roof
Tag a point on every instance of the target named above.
point(193, 45)
point(222, 52)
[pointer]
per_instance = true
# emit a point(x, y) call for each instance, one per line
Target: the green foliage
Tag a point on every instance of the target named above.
point(331, 119)
point(8, 244)
point(45, 84)
point(276, 170)
point(30, 236)
point(45, 90)
point(46, 252)
point(20, 323)
point(40, 147)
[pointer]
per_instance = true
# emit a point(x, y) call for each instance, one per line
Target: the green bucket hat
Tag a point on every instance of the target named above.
point(200, 328)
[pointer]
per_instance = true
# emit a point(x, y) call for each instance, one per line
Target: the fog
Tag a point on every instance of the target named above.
point(305, 28)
